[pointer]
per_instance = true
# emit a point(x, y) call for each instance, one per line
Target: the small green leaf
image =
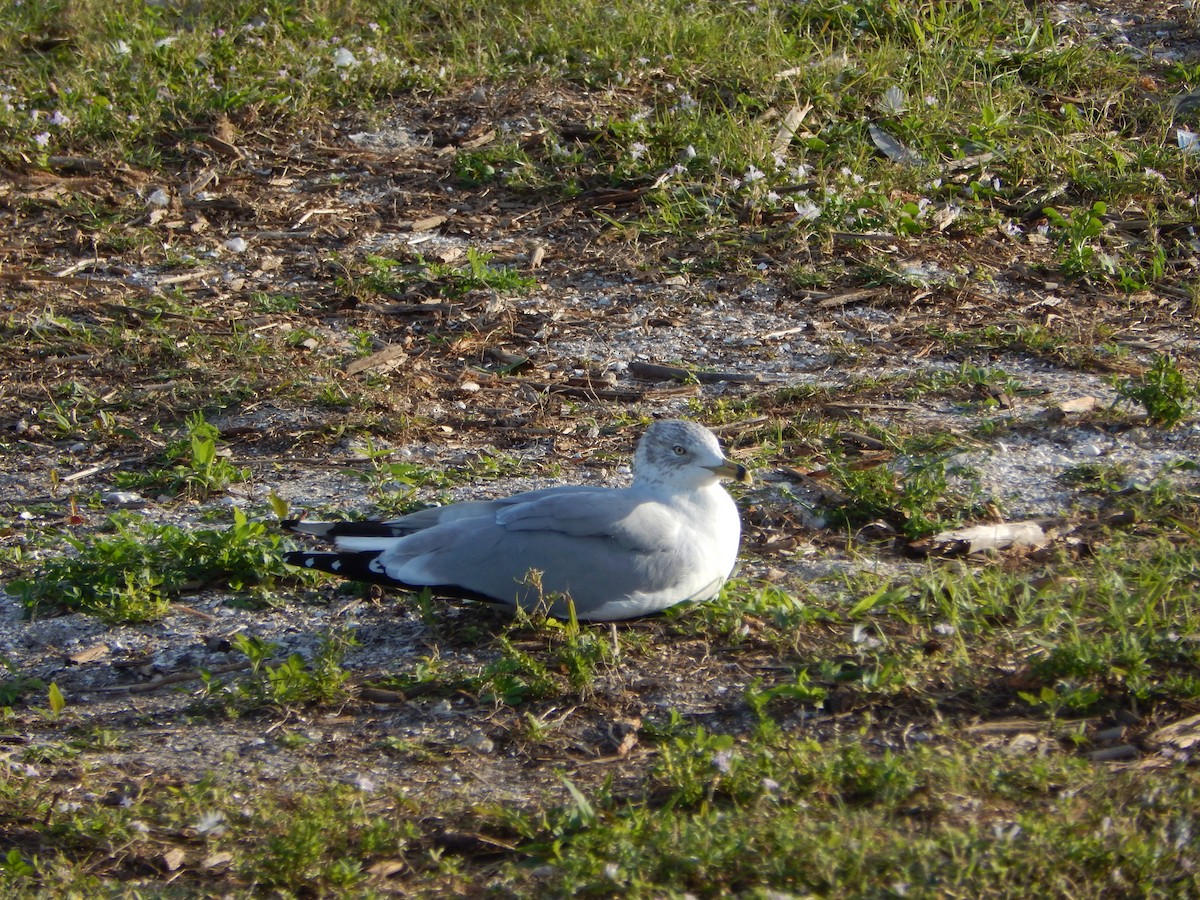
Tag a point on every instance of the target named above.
point(204, 451)
point(882, 597)
point(57, 702)
point(14, 864)
point(278, 505)
point(584, 810)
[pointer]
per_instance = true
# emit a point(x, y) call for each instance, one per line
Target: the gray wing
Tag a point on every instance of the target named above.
point(620, 515)
point(375, 535)
point(471, 509)
point(613, 547)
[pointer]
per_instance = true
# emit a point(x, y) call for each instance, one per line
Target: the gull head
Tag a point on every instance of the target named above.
point(682, 454)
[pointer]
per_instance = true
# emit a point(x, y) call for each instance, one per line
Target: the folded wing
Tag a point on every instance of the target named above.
point(615, 553)
point(375, 535)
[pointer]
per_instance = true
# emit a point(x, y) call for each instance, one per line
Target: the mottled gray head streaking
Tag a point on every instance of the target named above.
point(676, 452)
point(609, 553)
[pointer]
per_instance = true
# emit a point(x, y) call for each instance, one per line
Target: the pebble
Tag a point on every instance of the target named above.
point(479, 743)
point(123, 500)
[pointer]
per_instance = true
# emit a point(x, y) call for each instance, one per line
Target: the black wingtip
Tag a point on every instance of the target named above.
point(334, 530)
point(362, 566)
point(356, 566)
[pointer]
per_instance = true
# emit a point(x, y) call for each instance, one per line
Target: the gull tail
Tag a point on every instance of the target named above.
point(352, 536)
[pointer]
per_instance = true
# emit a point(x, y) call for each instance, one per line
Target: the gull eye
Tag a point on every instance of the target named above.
point(679, 450)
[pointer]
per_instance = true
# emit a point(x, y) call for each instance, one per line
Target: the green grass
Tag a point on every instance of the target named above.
point(133, 574)
point(918, 498)
point(965, 79)
point(289, 683)
point(565, 661)
point(840, 756)
point(721, 808)
point(806, 817)
point(390, 276)
point(769, 816)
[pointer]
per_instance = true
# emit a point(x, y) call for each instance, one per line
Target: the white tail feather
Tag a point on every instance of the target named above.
point(348, 542)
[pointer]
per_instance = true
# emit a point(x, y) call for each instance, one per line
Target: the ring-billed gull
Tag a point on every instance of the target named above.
point(616, 553)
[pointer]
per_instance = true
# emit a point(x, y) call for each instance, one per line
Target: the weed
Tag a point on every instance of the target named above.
point(1097, 478)
point(313, 845)
point(498, 162)
point(690, 763)
point(983, 384)
point(18, 686)
point(193, 465)
point(391, 485)
point(1165, 499)
point(56, 701)
point(132, 575)
point(799, 690)
point(1064, 697)
point(917, 500)
point(101, 739)
point(514, 677)
point(390, 276)
point(1133, 278)
point(264, 302)
point(15, 866)
point(1077, 233)
point(206, 472)
point(291, 682)
point(579, 651)
point(304, 338)
point(780, 615)
point(1167, 394)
